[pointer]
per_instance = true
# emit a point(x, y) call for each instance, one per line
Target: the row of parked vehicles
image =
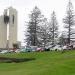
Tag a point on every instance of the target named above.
point(65, 47)
point(28, 49)
point(39, 49)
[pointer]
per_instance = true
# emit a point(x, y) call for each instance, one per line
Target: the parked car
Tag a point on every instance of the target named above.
point(73, 46)
point(10, 51)
point(4, 51)
point(29, 49)
point(17, 51)
point(56, 48)
point(33, 48)
point(67, 47)
point(23, 50)
point(47, 49)
point(40, 49)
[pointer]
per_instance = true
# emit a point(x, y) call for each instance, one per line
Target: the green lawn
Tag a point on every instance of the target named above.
point(46, 63)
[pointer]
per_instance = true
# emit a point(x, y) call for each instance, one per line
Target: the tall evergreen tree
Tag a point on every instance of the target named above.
point(53, 28)
point(69, 21)
point(33, 27)
point(43, 33)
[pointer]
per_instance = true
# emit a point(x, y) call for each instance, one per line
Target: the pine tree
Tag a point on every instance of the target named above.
point(43, 33)
point(69, 21)
point(53, 28)
point(34, 27)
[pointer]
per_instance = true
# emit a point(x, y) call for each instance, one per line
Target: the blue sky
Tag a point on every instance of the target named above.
point(24, 7)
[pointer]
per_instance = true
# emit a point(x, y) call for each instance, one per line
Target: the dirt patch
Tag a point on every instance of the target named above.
point(15, 60)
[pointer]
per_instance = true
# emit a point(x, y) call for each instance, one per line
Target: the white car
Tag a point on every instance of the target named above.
point(17, 51)
point(64, 47)
point(57, 47)
point(4, 51)
point(68, 47)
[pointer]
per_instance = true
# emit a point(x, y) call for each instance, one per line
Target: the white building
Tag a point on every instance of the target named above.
point(8, 28)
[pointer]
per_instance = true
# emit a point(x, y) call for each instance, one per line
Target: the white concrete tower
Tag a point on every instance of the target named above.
point(12, 27)
point(10, 20)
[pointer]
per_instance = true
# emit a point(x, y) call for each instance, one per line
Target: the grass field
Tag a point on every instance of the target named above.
point(46, 63)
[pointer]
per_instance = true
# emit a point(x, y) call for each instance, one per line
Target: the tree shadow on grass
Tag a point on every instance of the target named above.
point(14, 60)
